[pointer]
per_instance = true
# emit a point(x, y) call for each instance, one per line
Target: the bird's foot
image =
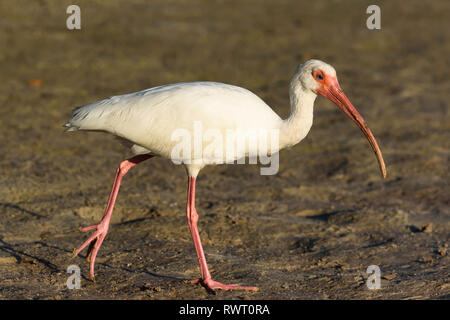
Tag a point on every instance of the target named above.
point(212, 285)
point(94, 242)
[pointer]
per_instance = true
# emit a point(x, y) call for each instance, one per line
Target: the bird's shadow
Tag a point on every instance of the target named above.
point(22, 210)
point(327, 215)
point(19, 255)
point(137, 271)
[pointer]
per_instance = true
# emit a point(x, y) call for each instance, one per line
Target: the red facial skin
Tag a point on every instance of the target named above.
point(331, 90)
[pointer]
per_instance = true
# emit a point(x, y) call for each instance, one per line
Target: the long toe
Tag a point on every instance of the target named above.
point(94, 242)
point(214, 285)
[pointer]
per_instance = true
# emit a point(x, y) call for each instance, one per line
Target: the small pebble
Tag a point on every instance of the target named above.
point(390, 276)
point(427, 228)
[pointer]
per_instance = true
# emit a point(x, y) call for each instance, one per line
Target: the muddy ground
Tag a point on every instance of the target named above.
point(310, 231)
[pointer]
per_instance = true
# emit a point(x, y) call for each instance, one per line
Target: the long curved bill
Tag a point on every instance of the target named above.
point(338, 97)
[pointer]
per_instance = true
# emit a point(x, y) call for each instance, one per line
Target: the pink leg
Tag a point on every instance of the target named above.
point(96, 239)
point(192, 218)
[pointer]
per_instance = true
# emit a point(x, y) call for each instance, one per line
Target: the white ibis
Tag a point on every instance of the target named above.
point(148, 119)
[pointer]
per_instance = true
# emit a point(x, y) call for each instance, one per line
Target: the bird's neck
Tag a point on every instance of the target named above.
point(297, 125)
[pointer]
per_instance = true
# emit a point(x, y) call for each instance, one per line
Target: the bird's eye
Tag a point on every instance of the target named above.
point(318, 75)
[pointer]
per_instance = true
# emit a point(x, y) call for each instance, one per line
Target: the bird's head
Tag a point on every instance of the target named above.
point(320, 78)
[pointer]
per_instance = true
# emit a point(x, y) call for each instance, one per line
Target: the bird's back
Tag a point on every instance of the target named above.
point(149, 117)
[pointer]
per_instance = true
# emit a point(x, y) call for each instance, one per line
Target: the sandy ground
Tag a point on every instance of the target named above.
point(310, 231)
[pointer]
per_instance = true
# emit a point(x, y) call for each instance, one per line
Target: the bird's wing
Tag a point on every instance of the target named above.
point(150, 117)
point(108, 114)
point(97, 115)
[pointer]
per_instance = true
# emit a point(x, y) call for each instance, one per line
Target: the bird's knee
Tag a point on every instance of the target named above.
point(193, 217)
point(124, 167)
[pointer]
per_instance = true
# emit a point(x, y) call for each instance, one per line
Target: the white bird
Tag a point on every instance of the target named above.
point(148, 119)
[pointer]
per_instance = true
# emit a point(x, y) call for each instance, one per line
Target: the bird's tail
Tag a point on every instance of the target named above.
point(87, 117)
point(68, 126)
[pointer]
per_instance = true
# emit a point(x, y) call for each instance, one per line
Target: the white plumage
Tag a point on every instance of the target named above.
point(149, 118)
